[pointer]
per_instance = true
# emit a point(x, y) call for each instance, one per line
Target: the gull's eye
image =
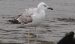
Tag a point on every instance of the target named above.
point(44, 5)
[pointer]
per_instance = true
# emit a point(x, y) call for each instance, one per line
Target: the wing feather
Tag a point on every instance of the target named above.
point(25, 17)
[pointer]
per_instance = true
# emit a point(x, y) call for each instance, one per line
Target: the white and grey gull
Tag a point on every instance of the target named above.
point(33, 15)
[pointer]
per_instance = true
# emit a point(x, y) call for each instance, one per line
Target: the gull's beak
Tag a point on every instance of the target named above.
point(50, 8)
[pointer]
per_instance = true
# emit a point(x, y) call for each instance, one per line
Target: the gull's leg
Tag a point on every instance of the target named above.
point(36, 35)
point(28, 37)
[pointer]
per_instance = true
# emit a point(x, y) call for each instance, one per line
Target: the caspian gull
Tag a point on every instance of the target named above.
point(33, 15)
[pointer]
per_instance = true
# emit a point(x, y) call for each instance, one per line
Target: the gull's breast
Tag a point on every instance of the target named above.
point(38, 18)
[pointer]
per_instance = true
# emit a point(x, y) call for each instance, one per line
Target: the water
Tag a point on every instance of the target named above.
point(49, 32)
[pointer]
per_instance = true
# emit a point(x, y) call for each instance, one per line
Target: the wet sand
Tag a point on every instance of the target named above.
point(49, 32)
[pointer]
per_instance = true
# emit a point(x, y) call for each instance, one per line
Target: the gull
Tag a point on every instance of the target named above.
point(33, 15)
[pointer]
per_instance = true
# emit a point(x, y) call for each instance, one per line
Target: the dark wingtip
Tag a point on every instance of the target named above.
point(14, 21)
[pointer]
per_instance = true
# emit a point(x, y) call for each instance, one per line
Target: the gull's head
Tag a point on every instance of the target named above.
point(44, 6)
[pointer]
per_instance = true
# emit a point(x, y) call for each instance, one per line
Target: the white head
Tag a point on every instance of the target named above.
point(44, 6)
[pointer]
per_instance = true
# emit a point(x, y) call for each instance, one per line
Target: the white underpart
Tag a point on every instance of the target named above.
point(37, 15)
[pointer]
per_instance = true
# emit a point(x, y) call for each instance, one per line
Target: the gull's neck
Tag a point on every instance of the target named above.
point(40, 10)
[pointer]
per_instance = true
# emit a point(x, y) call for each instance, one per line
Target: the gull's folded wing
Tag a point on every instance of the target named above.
point(25, 17)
